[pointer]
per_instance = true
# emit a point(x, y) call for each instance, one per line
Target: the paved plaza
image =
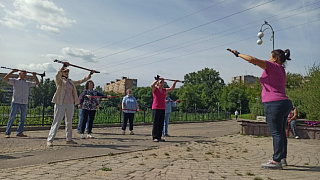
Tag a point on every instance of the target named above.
point(206, 150)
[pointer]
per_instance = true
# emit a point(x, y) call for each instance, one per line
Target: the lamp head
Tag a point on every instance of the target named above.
point(259, 42)
point(260, 34)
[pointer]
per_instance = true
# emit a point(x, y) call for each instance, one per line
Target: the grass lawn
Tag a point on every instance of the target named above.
point(243, 116)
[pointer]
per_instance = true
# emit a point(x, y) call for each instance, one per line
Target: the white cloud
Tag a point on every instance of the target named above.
point(12, 23)
point(37, 67)
point(45, 13)
point(83, 54)
point(49, 29)
point(55, 56)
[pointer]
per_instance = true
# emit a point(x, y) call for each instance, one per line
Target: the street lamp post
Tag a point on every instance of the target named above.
point(260, 34)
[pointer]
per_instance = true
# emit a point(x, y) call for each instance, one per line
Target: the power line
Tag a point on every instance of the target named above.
point(176, 47)
point(162, 25)
point(181, 32)
point(234, 42)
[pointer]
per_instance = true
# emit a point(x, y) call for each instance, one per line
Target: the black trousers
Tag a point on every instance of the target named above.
point(126, 117)
point(85, 115)
point(158, 121)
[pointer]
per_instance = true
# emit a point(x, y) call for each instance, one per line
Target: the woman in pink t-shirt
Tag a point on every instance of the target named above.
point(276, 104)
point(158, 107)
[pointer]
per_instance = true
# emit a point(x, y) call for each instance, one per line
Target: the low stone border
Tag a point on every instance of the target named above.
point(258, 128)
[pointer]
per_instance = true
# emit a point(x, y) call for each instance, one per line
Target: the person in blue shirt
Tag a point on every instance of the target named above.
point(129, 107)
point(169, 105)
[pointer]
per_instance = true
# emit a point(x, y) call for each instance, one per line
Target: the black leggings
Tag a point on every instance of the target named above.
point(158, 121)
point(85, 114)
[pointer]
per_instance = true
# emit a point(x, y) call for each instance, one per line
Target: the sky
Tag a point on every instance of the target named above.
point(140, 39)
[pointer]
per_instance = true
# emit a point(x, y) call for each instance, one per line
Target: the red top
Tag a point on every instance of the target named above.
point(159, 98)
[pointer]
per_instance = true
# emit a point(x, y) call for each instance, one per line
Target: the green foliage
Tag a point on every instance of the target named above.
point(143, 95)
point(43, 93)
point(201, 89)
point(310, 93)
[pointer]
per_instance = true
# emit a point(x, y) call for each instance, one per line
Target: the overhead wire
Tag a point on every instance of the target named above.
point(187, 30)
point(234, 42)
point(152, 29)
point(176, 47)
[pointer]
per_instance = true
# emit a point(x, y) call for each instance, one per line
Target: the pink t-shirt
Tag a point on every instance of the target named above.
point(273, 81)
point(159, 98)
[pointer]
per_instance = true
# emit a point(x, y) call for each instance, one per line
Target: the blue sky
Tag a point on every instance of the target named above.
point(142, 38)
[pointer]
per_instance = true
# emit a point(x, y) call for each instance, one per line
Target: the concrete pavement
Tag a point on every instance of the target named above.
point(208, 150)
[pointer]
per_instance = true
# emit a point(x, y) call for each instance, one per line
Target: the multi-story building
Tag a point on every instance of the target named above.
point(244, 78)
point(120, 86)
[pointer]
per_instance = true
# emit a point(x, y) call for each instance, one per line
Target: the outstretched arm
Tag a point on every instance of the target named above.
point(261, 63)
point(153, 85)
point(36, 78)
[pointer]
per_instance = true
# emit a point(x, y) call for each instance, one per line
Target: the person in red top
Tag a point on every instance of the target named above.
point(159, 106)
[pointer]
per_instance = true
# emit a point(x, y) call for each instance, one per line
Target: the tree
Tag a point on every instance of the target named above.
point(43, 93)
point(206, 84)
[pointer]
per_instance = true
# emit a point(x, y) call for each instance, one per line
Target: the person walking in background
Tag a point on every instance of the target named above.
point(169, 105)
point(89, 107)
point(292, 120)
point(236, 113)
point(275, 101)
point(159, 106)
point(129, 107)
point(21, 88)
point(64, 98)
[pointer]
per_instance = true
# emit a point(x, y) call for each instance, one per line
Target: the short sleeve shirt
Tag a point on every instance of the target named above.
point(129, 102)
point(273, 81)
point(159, 98)
point(21, 90)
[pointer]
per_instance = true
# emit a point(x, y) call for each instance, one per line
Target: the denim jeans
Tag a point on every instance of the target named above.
point(166, 123)
point(13, 112)
point(126, 117)
point(276, 115)
point(293, 127)
point(80, 122)
point(88, 117)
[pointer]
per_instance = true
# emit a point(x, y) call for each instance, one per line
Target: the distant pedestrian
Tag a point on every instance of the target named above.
point(236, 114)
point(169, 105)
point(159, 106)
point(130, 106)
point(21, 88)
point(292, 120)
point(64, 98)
point(275, 101)
point(89, 107)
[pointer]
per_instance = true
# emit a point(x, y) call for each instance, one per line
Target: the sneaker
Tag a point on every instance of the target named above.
point(272, 165)
point(284, 162)
point(82, 136)
point(71, 142)
point(297, 137)
point(162, 140)
point(21, 135)
point(49, 144)
point(166, 135)
point(131, 133)
point(6, 136)
point(90, 136)
point(155, 140)
point(123, 132)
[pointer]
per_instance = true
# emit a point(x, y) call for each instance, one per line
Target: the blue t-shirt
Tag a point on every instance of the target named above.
point(129, 102)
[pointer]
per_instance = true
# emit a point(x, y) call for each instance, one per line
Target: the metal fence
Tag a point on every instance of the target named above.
point(43, 116)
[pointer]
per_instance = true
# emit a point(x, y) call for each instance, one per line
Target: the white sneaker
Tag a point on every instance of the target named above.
point(49, 144)
point(82, 136)
point(131, 133)
point(90, 136)
point(297, 137)
point(272, 165)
